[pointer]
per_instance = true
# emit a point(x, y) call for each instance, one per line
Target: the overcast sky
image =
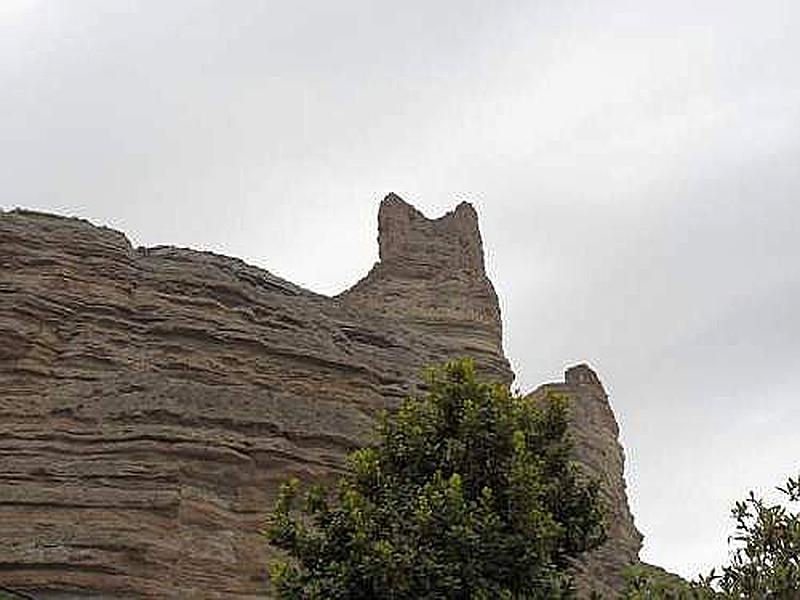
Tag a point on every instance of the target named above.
point(635, 165)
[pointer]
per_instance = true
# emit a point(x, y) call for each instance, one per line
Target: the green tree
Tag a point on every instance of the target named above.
point(765, 558)
point(469, 492)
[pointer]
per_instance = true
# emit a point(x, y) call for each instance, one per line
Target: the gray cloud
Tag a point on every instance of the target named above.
point(634, 165)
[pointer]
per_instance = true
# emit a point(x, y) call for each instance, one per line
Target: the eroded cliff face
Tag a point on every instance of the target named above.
point(151, 400)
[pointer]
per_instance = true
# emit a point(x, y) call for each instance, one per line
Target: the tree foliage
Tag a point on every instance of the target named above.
point(469, 492)
point(765, 558)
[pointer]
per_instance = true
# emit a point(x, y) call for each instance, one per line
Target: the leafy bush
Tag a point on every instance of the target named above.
point(468, 493)
point(766, 561)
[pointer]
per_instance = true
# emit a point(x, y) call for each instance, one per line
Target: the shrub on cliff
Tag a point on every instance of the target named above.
point(765, 559)
point(646, 582)
point(469, 492)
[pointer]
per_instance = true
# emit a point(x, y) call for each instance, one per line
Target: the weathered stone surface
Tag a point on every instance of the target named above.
point(152, 399)
point(431, 276)
point(595, 434)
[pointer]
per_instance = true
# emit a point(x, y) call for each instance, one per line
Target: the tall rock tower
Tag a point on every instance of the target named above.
point(431, 276)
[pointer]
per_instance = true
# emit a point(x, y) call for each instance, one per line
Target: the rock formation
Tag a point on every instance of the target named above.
point(152, 399)
point(431, 276)
point(595, 435)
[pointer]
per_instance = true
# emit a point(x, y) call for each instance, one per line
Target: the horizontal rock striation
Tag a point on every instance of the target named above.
point(152, 399)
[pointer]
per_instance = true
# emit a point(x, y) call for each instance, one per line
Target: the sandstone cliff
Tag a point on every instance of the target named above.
point(152, 399)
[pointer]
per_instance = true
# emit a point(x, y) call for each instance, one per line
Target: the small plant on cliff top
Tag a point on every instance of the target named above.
point(468, 493)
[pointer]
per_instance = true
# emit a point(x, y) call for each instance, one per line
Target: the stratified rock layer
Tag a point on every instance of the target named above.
point(151, 400)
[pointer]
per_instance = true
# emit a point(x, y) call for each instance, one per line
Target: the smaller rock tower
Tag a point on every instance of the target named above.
point(595, 436)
